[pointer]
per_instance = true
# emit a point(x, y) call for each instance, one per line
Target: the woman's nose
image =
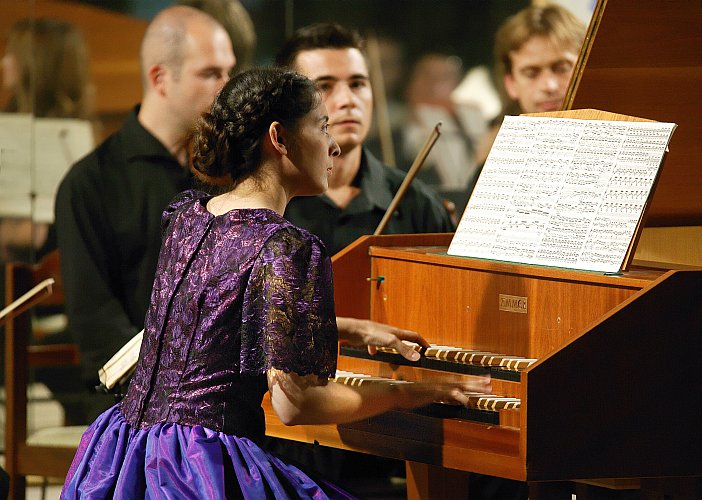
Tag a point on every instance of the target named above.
point(334, 149)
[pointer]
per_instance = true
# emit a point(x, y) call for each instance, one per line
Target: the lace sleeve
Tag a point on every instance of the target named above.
point(288, 320)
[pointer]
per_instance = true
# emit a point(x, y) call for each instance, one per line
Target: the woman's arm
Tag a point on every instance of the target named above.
point(299, 400)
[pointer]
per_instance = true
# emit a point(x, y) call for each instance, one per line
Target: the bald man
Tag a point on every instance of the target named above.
point(109, 205)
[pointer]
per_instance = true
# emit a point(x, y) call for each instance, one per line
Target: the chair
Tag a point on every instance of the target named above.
point(49, 451)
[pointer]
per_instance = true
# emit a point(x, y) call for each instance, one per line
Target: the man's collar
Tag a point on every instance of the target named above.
point(373, 183)
point(371, 179)
point(139, 142)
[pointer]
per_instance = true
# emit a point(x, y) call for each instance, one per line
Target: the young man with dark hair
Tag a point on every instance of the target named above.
point(361, 187)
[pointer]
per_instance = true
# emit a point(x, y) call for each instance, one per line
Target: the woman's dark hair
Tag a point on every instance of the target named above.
point(226, 145)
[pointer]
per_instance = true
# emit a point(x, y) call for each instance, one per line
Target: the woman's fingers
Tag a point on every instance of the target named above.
point(459, 392)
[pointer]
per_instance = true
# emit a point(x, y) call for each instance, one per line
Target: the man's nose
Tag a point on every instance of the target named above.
point(343, 96)
point(549, 82)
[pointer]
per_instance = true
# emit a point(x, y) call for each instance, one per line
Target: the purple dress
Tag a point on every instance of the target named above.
point(234, 295)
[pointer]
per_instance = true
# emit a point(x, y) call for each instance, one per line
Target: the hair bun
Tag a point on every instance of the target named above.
point(226, 144)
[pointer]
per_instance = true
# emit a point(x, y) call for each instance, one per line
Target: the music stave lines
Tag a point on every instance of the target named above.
point(629, 181)
point(626, 194)
point(578, 204)
point(621, 208)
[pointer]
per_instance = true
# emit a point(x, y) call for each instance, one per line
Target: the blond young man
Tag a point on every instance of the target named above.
point(535, 54)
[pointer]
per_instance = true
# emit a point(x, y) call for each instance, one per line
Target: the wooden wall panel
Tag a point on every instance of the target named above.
point(644, 58)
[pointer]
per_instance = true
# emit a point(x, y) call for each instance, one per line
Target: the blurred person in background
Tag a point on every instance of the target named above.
point(451, 164)
point(535, 54)
point(235, 19)
point(45, 69)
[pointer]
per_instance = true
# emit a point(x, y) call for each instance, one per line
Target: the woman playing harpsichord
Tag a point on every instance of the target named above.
point(242, 303)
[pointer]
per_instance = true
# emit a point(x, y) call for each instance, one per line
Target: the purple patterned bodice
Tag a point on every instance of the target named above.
point(234, 295)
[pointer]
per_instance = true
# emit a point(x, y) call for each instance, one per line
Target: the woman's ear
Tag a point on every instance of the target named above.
point(276, 134)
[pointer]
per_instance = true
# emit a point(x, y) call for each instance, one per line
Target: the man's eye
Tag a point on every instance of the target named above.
point(324, 87)
point(562, 67)
point(358, 84)
point(531, 73)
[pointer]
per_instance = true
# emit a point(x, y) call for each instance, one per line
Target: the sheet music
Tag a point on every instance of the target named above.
point(35, 154)
point(15, 161)
point(562, 192)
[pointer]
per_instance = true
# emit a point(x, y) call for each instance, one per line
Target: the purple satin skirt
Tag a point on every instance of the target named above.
point(169, 461)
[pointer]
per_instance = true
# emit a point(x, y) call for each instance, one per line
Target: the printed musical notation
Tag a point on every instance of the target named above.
point(562, 192)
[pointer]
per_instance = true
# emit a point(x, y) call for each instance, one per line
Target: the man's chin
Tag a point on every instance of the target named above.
point(549, 106)
point(348, 142)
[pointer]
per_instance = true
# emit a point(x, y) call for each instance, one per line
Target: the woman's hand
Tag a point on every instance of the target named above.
point(455, 392)
point(369, 333)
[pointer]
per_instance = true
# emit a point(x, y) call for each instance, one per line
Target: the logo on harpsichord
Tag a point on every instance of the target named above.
point(513, 303)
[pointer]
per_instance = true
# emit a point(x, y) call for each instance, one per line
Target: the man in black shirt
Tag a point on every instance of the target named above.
point(109, 205)
point(360, 188)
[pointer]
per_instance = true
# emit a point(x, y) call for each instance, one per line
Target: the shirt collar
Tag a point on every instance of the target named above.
point(373, 181)
point(139, 142)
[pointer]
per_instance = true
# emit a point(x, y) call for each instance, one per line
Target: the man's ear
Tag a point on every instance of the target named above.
point(157, 78)
point(510, 87)
point(277, 136)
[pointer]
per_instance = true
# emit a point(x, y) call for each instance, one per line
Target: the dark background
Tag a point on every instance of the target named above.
point(464, 28)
